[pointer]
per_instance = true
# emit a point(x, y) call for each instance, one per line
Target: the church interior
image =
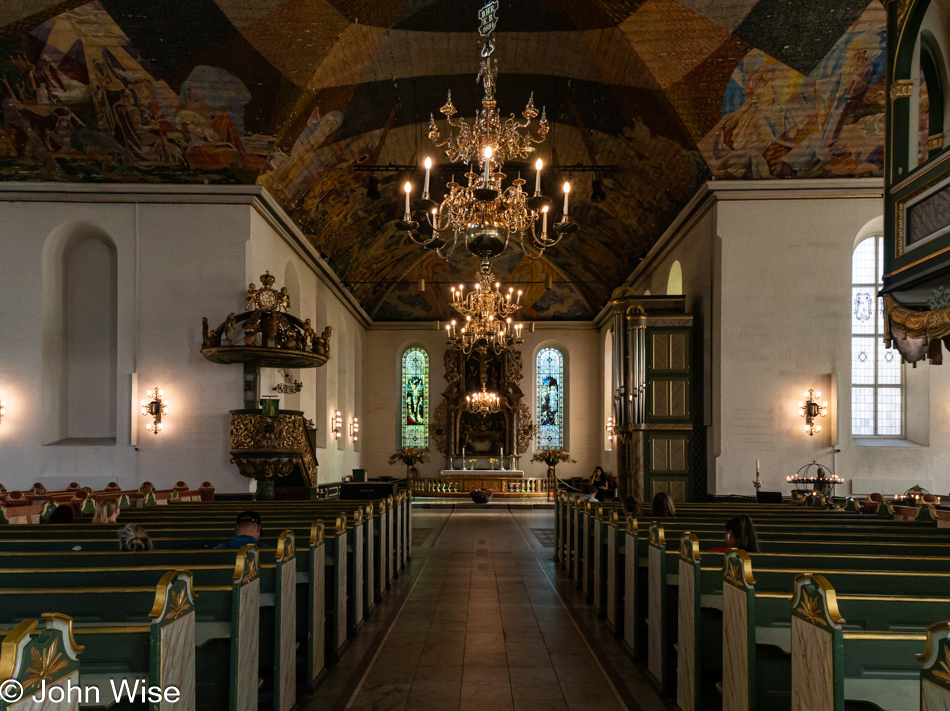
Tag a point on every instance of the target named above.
point(456, 354)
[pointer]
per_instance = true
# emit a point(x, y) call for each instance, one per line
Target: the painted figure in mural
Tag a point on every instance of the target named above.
point(415, 400)
point(550, 403)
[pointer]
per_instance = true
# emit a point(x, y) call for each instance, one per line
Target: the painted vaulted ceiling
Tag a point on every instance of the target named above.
point(294, 95)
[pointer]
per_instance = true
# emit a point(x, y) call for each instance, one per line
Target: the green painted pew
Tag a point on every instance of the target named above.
point(23, 643)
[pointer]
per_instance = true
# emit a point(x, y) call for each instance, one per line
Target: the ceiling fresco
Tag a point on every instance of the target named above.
point(298, 95)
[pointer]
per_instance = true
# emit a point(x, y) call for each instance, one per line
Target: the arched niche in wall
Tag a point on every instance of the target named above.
point(80, 314)
point(292, 401)
point(320, 395)
point(674, 285)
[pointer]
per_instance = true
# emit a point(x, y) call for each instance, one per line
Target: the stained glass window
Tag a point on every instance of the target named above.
point(415, 398)
point(875, 370)
point(549, 383)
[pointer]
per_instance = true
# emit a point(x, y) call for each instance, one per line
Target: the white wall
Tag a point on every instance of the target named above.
point(769, 272)
point(179, 257)
point(385, 345)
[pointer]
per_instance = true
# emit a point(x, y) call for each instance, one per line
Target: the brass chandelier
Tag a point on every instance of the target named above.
point(479, 210)
point(487, 312)
point(483, 402)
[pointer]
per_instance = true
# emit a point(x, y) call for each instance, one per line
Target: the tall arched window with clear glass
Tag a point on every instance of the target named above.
point(550, 387)
point(876, 383)
point(415, 398)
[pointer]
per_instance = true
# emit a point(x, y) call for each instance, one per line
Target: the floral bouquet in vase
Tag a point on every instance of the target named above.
point(410, 456)
point(552, 457)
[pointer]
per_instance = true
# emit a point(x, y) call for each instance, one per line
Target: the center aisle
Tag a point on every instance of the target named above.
point(481, 620)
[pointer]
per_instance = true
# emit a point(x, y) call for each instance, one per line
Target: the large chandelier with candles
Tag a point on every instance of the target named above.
point(483, 402)
point(479, 209)
point(487, 312)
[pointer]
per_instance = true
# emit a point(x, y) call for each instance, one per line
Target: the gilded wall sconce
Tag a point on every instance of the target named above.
point(610, 428)
point(811, 410)
point(337, 421)
point(155, 408)
point(355, 429)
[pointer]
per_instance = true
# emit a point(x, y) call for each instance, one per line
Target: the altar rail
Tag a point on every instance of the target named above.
point(482, 480)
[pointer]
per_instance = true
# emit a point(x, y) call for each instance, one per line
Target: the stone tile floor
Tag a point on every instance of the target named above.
point(482, 619)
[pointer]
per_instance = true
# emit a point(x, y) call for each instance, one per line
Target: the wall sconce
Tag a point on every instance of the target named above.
point(337, 421)
point(3, 409)
point(811, 410)
point(154, 408)
point(610, 428)
point(355, 429)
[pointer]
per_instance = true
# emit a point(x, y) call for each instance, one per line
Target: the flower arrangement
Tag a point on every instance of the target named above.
point(481, 496)
point(409, 456)
point(552, 457)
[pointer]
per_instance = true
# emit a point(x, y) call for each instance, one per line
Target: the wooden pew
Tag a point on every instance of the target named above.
point(935, 669)
point(23, 644)
point(156, 647)
point(830, 665)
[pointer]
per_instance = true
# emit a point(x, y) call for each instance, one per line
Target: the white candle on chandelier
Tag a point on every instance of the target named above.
point(537, 178)
point(567, 192)
point(544, 221)
point(408, 188)
point(519, 297)
point(497, 286)
point(428, 167)
point(488, 153)
point(453, 327)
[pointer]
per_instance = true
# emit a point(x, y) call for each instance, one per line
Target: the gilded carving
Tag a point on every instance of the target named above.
point(901, 89)
point(525, 427)
point(271, 335)
point(45, 664)
point(253, 432)
point(810, 609)
point(179, 604)
point(440, 425)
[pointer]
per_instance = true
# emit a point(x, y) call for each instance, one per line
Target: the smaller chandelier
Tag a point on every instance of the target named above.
point(483, 402)
point(487, 313)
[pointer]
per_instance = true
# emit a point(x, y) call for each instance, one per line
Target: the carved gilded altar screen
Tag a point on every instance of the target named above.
point(415, 398)
point(549, 389)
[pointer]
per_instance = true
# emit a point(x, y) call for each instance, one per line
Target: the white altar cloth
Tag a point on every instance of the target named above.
point(483, 473)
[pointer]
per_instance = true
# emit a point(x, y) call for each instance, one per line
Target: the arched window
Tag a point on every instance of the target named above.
point(674, 285)
point(550, 388)
point(876, 393)
point(415, 398)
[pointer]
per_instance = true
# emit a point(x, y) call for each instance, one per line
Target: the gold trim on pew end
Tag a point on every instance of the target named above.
point(64, 623)
point(689, 547)
point(935, 632)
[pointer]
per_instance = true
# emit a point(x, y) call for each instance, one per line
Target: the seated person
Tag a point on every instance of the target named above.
point(631, 507)
point(107, 511)
point(61, 514)
point(663, 505)
point(588, 492)
point(740, 533)
point(247, 531)
point(134, 538)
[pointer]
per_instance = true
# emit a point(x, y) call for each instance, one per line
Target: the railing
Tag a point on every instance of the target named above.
point(434, 487)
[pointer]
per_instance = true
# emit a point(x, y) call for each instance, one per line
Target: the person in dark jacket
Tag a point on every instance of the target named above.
point(247, 531)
